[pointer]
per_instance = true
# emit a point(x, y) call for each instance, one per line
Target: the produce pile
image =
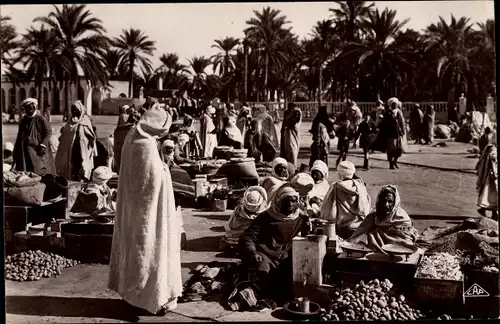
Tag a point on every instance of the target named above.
point(443, 266)
point(35, 265)
point(369, 301)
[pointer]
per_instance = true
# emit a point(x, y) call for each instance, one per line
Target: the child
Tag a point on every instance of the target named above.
point(367, 132)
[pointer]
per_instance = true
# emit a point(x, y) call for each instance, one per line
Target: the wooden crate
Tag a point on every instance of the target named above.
point(84, 228)
point(307, 258)
point(51, 243)
point(88, 248)
point(483, 307)
point(439, 293)
point(486, 280)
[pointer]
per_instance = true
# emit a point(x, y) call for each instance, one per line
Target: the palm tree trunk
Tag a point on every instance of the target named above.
point(320, 86)
point(131, 79)
point(266, 76)
point(246, 70)
point(66, 96)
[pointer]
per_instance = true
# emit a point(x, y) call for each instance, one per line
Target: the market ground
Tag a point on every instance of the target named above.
point(435, 183)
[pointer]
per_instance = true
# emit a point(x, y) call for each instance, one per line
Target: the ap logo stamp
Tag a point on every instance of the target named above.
point(476, 291)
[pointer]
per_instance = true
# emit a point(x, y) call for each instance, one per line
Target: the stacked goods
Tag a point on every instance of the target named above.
point(371, 301)
point(442, 266)
point(35, 265)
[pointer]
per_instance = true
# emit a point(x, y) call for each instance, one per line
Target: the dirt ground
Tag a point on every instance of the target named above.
point(435, 183)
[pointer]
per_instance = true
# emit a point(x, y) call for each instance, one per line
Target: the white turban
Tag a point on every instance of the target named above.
point(302, 183)
point(255, 199)
point(211, 109)
point(321, 167)
point(125, 107)
point(275, 163)
point(101, 174)
point(8, 147)
point(168, 143)
point(29, 101)
point(346, 170)
point(182, 139)
point(392, 101)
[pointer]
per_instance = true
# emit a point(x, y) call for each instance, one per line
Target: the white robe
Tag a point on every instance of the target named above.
point(145, 265)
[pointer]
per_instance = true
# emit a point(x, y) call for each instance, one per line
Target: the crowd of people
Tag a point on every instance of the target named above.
point(145, 266)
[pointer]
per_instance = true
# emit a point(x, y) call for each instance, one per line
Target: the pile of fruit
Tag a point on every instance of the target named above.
point(442, 266)
point(369, 301)
point(35, 265)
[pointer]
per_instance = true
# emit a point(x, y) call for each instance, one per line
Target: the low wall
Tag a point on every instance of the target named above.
point(111, 106)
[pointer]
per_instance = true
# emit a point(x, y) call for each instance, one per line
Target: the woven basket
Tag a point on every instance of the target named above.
point(25, 196)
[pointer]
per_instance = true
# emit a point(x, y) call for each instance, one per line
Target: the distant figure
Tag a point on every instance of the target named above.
point(354, 115)
point(12, 115)
point(243, 121)
point(46, 112)
point(453, 114)
point(344, 134)
point(290, 143)
point(77, 145)
point(31, 150)
point(487, 181)
point(231, 135)
point(485, 139)
point(269, 141)
point(428, 127)
point(416, 123)
point(367, 132)
point(124, 115)
point(320, 148)
point(208, 132)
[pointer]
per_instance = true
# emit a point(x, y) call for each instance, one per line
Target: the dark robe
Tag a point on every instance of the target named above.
point(226, 141)
point(119, 137)
point(33, 132)
point(367, 132)
point(252, 144)
point(272, 240)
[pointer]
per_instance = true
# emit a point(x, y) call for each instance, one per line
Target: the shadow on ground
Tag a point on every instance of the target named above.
point(203, 244)
point(212, 217)
point(218, 229)
point(72, 307)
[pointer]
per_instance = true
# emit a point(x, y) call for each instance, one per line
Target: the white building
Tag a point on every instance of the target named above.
point(92, 97)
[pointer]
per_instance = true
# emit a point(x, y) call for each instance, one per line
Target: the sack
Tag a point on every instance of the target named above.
point(85, 203)
point(20, 178)
point(442, 132)
point(55, 186)
point(25, 196)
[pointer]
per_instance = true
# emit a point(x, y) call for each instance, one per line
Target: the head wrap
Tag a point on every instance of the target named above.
point(8, 147)
point(275, 163)
point(255, 199)
point(101, 175)
point(302, 183)
point(124, 109)
point(182, 139)
point(380, 103)
point(244, 109)
point(275, 205)
point(188, 119)
point(346, 170)
point(321, 167)
point(396, 214)
point(168, 143)
point(156, 121)
point(211, 110)
point(393, 101)
point(29, 101)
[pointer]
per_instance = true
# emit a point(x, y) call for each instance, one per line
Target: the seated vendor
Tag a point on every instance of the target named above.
point(172, 153)
point(253, 203)
point(347, 202)
point(388, 224)
point(231, 134)
point(303, 183)
point(319, 172)
point(106, 197)
point(279, 175)
point(265, 249)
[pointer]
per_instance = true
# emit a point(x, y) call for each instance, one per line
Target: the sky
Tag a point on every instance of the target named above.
point(189, 29)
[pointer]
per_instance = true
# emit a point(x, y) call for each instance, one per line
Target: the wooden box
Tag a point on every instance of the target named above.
point(219, 205)
point(482, 307)
point(88, 248)
point(439, 292)
point(307, 258)
point(50, 243)
point(85, 228)
point(488, 281)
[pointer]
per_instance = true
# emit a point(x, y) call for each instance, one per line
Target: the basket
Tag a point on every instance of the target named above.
point(219, 205)
point(25, 196)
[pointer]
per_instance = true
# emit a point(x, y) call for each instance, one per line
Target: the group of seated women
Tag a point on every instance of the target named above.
point(262, 227)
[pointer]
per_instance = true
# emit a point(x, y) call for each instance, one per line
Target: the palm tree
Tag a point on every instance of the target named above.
point(8, 37)
point(15, 76)
point(116, 70)
point(40, 57)
point(134, 48)
point(378, 54)
point(173, 73)
point(223, 59)
point(199, 76)
point(348, 19)
point(81, 44)
point(451, 45)
point(266, 32)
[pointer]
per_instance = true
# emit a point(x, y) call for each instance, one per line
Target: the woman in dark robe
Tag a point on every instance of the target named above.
point(290, 128)
point(124, 115)
point(193, 147)
point(320, 147)
point(231, 135)
point(428, 126)
point(367, 132)
point(31, 150)
point(265, 248)
point(252, 141)
point(416, 123)
point(323, 118)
